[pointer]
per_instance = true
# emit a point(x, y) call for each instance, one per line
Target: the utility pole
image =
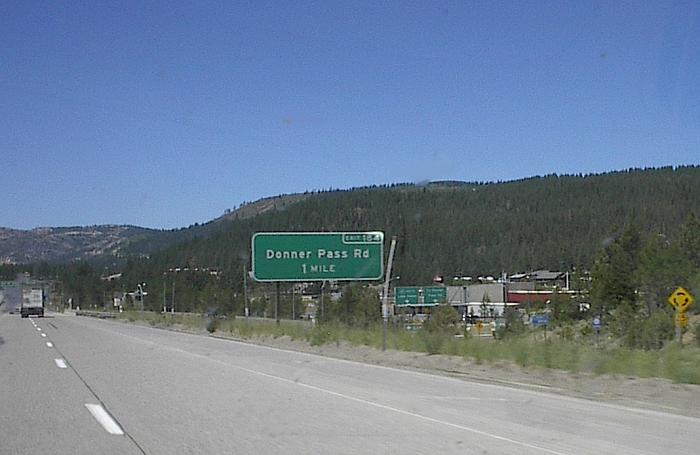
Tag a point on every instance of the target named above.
point(172, 306)
point(385, 294)
point(165, 305)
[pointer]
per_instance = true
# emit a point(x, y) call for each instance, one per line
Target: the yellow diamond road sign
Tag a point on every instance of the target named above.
point(681, 299)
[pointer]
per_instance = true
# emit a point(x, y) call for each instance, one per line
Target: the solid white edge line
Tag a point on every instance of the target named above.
point(49, 344)
point(106, 420)
point(363, 401)
point(547, 391)
point(402, 411)
point(60, 363)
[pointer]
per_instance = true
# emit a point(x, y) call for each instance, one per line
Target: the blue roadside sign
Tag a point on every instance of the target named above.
point(539, 320)
point(597, 324)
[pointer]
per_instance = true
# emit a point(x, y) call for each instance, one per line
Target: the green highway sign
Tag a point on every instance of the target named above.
point(434, 295)
point(318, 256)
point(406, 296)
point(415, 296)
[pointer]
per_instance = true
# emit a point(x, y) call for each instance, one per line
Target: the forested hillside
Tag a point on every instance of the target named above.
point(553, 222)
point(159, 240)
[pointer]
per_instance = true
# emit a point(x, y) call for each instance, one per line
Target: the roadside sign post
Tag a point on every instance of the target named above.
point(277, 304)
point(385, 294)
point(539, 320)
point(680, 300)
point(597, 324)
point(245, 292)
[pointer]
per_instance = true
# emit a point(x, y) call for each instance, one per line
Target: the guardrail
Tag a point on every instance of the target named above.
point(96, 314)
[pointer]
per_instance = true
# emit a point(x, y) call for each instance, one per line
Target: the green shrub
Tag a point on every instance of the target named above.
point(650, 333)
point(586, 330)
point(513, 324)
point(321, 335)
point(521, 354)
point(567, 332)
point(443, 318)
point(212, 325)
point(681, 364)
point(433, 340)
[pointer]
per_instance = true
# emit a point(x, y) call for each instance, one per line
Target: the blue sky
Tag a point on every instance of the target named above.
point(163, 114)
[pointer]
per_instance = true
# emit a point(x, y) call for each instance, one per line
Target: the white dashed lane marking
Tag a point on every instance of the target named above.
point(49, 344)
point(106, 420)
point(60, 363)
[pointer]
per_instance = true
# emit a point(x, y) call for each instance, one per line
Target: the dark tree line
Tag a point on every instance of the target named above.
point(452, 228)
point(545, 222)
point(633, 276)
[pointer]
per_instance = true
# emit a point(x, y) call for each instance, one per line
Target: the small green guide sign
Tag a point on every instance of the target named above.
point(415, 296)
point(435, 295)
point(406, 296)
point(317, 256)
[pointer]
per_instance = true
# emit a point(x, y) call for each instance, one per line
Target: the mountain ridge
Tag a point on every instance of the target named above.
point(115, 243)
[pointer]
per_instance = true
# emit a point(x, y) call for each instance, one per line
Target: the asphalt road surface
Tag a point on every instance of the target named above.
point(74, 385)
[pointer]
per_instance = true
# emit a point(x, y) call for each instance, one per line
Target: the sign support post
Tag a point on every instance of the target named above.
point(277, 303)
point(245, 292)
point(680, 300)
point(323, 284)
point(679, 335)
point(385, 294)
point(597, 323)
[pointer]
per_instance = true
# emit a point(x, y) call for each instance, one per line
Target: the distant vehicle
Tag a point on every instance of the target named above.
point(32, 303)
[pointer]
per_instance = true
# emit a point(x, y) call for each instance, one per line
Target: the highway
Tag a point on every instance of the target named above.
point(74, 385)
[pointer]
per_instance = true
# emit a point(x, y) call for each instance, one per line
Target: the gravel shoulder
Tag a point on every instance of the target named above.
point(643, 393)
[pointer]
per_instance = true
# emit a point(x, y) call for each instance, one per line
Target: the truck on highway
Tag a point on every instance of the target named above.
point(32, 303)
